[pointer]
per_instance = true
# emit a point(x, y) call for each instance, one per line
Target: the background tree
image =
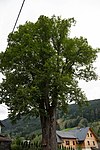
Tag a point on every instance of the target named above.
point(83, 123)
point(42, 66)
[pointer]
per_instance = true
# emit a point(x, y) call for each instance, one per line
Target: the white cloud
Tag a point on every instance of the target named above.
point(3, 112)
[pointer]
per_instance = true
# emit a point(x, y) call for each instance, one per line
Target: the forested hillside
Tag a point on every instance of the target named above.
point(88, 115)
point(85, 116)
point(91, 112)
point(81, 115)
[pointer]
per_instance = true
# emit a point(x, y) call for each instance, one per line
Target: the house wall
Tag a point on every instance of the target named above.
point(90, 140)
point(5, 145)
point(69, 143)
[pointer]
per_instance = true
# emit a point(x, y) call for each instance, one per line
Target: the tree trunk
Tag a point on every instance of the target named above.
point(48, 124)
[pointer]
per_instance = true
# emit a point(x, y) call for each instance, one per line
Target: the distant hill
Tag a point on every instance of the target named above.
point(76, 116)
point(91, 112)
point(22, 127)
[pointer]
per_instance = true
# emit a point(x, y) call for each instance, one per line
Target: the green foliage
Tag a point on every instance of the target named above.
point(96, 127)
point(15, 147)
point(16, 144)
point(80, 117)
point(79, 147)
point(18, 140)
point(37, 139)
point(83, 123)
point(22, 127)
point(42, 65)
point(90, 112)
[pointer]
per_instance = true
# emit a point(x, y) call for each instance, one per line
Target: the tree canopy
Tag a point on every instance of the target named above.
point(42, 65)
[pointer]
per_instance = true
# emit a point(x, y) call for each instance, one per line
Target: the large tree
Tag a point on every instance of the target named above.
point(42, 65)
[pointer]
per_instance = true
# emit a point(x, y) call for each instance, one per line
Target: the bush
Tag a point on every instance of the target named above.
point(15, 147)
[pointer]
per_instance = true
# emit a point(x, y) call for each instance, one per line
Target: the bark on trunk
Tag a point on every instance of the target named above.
point(48, 124)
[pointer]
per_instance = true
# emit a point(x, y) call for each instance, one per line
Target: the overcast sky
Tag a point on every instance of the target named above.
point(85, 12)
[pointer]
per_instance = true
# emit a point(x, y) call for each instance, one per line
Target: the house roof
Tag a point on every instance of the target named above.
point(59, 140)
point(63, 134)
point(79, 133)
point(4, 139)
point(76, 133)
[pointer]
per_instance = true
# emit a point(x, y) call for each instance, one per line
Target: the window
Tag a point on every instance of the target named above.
point(67, 142)
point(93, 143)
point(88, 142)
point(88, 134)
point(91, 134)
point(73, 142)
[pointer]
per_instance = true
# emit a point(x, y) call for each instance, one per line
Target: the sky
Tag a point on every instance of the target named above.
point(85, 12)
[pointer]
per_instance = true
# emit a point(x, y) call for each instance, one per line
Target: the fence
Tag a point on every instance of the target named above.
point(35, 146)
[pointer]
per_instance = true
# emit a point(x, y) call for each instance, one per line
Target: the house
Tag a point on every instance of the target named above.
point(83, 138)
point(5, 142)
point(65, 139)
